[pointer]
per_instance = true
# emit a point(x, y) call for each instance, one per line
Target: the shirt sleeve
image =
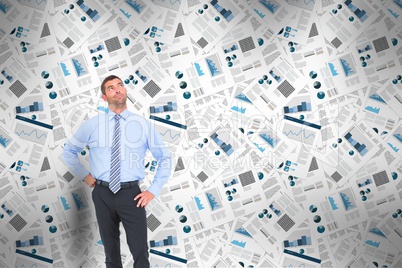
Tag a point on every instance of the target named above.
point(162, 156)
point(73, 147)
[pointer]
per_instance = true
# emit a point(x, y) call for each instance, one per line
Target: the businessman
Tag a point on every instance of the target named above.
point(117, 142)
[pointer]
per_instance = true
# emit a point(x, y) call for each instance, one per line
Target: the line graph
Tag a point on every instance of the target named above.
point(31, 134)
point(299, 134)
point(171, 4)
point(170, 134)
point(37, 4)
point(305, 4)
point(5, 139)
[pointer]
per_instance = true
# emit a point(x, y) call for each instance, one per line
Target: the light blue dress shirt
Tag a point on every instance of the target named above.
point(137, 136)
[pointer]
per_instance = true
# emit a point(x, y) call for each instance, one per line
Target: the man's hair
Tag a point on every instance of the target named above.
point(107, 79)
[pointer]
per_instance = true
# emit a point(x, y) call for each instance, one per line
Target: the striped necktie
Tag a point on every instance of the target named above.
point(114, 183)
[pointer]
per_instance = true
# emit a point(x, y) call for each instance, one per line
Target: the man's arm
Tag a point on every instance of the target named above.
point(70, 153)
point(162, 155)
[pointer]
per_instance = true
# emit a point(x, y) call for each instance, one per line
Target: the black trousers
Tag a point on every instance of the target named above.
point(111, 209)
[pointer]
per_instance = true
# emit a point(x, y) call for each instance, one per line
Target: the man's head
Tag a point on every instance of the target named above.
point(114, 92)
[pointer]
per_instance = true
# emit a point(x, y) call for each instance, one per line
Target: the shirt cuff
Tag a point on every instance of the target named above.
point(155, 190)
point(82, 173)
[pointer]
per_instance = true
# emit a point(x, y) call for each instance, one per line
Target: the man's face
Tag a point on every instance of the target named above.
point(115, 92)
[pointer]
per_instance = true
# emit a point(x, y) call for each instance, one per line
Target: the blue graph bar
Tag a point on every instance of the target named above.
point(7, 210)
point(93, 14)
point(98, 48)
point(171, 106)
point(366, 182)
point(398, 3)
point(360, 147)
point(4, 7)
point(169, 256)
point(271, 7)
point(303, 256)
point(227, 148)
point(4, 141)
point(35, 256)
point(36, 240)
point(301, 122)
point(232, 182)
point(232, 48)
point(170, 240)
point(398, 137)
point(137, 7)
point(78, 202)
point(270, 140)
point(227, 14)
point(33, 122)
point(167, 122)
point(36, 106)
point(361, 14)
point(366, 48)
point(304, 240)
point(304, 106)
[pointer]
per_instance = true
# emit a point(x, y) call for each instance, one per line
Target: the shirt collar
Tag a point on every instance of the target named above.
point(123, 114)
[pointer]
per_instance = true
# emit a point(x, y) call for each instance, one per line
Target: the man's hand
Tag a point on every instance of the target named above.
point(89, 180)
point(144, 198)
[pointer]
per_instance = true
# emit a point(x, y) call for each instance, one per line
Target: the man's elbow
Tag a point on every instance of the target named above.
point(67, 153)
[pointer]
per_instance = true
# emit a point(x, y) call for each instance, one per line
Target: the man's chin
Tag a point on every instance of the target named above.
point(119, 102)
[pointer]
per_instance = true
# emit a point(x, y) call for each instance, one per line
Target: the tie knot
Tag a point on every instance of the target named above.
point(117, 117)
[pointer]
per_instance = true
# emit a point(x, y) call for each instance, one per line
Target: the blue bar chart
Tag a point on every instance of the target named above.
point(398, 137)
point(79, 65)
point(4, 139)
point(348, 65)
point(80, 199)
point(213, 65)
point(227, 148)
point(34, 107)
point(359, 12)
point(225, 12)
point(5, 6)
point(359, 146)
point(170, 106)
point(231, 48)
point(372, 109)
point(270, 5)
point(270, 139)
point(168, 241)
point(302, 107)
point(231, 182)
point(364, 183)
point(34, 241)
point(302, 241)
point(348, 199)
point(10, 212)
point(92, 13)
point(365, 48)
point(138, 6)
point(97, 48)
point(214, 201)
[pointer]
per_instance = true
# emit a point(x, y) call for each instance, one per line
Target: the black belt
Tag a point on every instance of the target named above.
point(122, 184)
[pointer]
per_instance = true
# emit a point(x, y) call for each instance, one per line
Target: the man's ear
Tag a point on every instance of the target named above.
point(104, 97)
